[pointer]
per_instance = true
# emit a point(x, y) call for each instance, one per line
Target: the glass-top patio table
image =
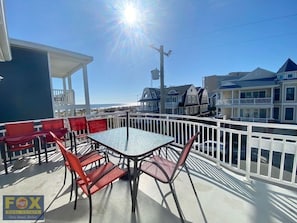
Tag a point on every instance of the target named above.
point(133, 144)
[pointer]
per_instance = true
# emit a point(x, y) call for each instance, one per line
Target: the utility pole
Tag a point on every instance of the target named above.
point(162, 90)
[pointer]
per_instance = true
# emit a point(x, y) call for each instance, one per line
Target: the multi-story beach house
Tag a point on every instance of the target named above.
point(182, 100)
point(260, 95)
point(27, 81)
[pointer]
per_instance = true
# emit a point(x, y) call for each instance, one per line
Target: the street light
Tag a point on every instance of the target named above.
point(162, 90)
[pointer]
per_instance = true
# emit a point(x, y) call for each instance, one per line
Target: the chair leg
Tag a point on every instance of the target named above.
point(46, 157)
point(177, 203)
point(73, 181)
point(90, 208)
point(195, 192)
point(75, 144)
point(44, 146)
point(65, 174)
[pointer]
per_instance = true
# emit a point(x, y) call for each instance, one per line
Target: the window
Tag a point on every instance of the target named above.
point(289, 113)
point(276, 113)
point(280, 77)
point(262, 113)
point(262, 94)
point(290, 76)
point(290, 91)
point(154, 95)
point(256, 113)
point(276, 94)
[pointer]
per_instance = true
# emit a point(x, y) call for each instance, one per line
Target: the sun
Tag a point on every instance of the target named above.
point(130, 15)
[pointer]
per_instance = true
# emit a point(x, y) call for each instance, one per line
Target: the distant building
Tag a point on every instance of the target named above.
point(182, 100)
point(212, 84)
point(260, 95)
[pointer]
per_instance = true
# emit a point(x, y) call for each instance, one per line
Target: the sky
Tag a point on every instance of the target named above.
point(207, 37)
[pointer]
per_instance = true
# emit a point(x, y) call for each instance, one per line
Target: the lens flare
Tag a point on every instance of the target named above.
point(130, 15)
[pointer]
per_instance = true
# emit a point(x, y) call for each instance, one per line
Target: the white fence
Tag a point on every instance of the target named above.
point(261, 150)
point(256, 150)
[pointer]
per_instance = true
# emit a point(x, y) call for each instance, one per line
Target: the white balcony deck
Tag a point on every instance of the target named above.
point(222, 196)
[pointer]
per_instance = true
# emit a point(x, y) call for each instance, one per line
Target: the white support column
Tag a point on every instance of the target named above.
point(271, 103)
point(86, 87)
point(69, 83)
point(69, 80)
point(64, 85)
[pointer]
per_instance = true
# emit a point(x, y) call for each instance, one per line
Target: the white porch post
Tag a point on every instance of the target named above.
point(86, 87)
point(72, 109)
point(64, 85)
point(271, 102)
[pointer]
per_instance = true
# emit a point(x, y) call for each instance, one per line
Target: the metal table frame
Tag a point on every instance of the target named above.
point(133, 144)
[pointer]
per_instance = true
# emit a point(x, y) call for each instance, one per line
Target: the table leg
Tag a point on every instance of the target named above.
point(135, 179)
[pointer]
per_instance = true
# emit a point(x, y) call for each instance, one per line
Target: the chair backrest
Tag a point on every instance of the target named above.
point(52, 124)
point(186, 150)
point(60, 144)
point(97, 125)
point(76, 166)
point(19, 129)
point(78, 123)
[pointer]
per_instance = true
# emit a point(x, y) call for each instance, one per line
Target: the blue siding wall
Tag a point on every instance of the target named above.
point(25, 90)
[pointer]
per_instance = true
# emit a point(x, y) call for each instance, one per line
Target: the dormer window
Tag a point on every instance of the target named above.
point(280, 77)
point(172, 92)
point(154, 95)
point(145, 94)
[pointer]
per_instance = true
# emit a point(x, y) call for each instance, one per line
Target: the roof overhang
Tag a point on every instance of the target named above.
point(62, 63)
point(5, 53)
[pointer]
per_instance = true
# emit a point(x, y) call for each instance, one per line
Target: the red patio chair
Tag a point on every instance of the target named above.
point(57, 127)
point(97, 125)
point(165, 170)
point(85, 159)
point(79, 130)
point(95, 180)
point(19, 137)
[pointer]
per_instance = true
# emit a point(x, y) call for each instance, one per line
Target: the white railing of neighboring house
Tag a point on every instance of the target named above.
point(63, 97)
point(244, 101)
point(253, 119)
point(266, 151)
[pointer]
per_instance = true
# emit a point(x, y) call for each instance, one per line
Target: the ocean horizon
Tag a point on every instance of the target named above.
point(111, 105)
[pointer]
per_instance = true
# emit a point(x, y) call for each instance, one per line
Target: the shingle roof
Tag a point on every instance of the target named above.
point(257, 74)
point(289, 65)
point(181, 90)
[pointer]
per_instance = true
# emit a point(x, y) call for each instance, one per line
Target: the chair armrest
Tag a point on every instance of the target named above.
point(156, 164)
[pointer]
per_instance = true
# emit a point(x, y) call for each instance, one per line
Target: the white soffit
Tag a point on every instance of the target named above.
point(62, 63)
point(5, 53)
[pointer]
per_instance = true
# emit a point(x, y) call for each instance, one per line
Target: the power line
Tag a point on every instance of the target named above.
point(255, 22)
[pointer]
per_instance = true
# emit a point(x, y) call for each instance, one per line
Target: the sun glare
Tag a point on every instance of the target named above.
point(130, 15)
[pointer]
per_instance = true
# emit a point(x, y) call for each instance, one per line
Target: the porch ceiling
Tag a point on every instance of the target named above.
point(62, 63)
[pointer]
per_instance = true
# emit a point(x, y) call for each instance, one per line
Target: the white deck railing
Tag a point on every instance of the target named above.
point(244, 101)
point(265, 151)
point(262, 150)
point(63, 97)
